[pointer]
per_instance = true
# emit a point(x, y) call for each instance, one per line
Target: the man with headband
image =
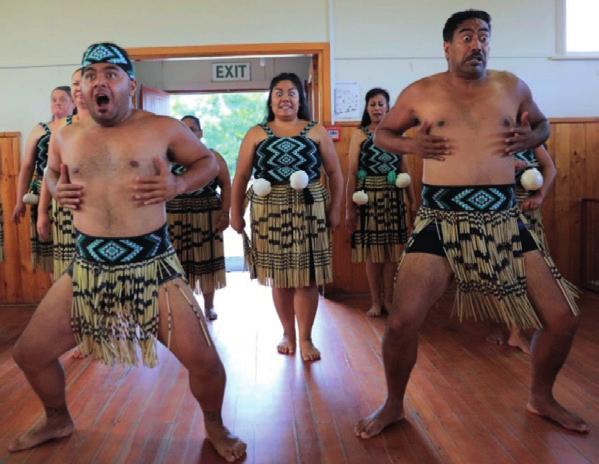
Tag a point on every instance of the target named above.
point(125, 287)
point(469, 122)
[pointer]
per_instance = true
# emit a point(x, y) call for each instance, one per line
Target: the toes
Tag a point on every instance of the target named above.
point(239, 450)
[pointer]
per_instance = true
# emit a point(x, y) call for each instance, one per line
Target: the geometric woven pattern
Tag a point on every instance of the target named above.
point(374, 161)
point(475, 198)
point(276, 158)
point(41, 150)
point(107, 53)
point(114, 250)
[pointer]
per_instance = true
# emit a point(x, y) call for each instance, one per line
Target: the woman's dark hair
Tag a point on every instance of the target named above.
point(458, 18)
point(64, 88)
point(193, 118)
point(365, 122)
point(303, 111)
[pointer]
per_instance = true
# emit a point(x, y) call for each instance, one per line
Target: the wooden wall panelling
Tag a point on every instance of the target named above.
point(569, 147)
point(19, 283)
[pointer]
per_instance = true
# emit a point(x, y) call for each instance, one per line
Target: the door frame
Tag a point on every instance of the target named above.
point(320, 51)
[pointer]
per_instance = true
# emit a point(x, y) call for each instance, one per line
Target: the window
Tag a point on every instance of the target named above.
point(577, 28)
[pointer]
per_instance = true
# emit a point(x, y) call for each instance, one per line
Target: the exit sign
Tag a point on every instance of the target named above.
point(230, 72)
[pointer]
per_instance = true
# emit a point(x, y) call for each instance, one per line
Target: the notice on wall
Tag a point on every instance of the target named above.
point(230, 72)
point(347, 101)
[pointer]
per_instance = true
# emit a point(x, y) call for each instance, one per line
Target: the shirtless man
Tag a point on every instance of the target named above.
point(125, 288)
point(471, 120)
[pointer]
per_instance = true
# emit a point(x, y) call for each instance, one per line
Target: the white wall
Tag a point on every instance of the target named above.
point(42, 41)
point(390, 43)
point(196, 75)
point(380, 42)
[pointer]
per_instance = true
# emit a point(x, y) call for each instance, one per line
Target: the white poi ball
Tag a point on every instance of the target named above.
point(532, 179)
point(299, 180)
point(31, 198)
point(403, 180)
point(360, 197)
point(261, 187)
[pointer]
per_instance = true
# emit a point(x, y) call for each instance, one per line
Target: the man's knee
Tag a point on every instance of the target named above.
point(208, 365)
point(563, 323)
point(25, 357)
point(401, 328)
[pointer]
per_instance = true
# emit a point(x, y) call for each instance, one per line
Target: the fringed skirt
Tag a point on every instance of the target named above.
point(478, 228)
point(532, 218)
point(381, 230)
point(290, 244)
point(41, 252)
point(115, 294)
point(63, 237)
point(191, 221)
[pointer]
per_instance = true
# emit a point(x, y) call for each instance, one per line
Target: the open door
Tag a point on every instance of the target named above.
point(154, 100)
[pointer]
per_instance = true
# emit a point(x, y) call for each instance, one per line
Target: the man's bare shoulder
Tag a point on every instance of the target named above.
point(422, 86)
point(66, 131)
point(157, 123)
point(504, 77)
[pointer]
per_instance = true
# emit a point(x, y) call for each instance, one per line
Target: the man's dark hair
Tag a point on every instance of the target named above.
point(193, 118)
point(372, 93)
point(457, 18)
point(303, 112)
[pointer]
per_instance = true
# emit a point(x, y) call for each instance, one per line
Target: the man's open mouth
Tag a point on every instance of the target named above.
point(102, 100)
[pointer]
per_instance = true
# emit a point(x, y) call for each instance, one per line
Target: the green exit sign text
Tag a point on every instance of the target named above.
point(230, 72)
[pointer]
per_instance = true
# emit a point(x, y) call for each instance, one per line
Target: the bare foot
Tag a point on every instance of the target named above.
point(496, 336)
point(378, 420)
point(77, 354)
point(286, 345)
point(518, 340)
point(309, 351)
point(211, 314)
point(230, 447)
point(48, 428)
point(554, 411)
point(387, 307)
point(374, 311)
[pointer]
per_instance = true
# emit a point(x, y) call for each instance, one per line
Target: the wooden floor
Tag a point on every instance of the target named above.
point(465, 402)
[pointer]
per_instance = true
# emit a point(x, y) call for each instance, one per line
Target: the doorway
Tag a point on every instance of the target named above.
point(225, 118)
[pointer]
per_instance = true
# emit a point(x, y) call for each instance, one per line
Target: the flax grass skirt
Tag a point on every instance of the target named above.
point(484, 251)
point(63, 236)
point(532, 218)
point(41, 252)
point(200, 249)
point(290, 244)
point(115, 307)
point(381, 230)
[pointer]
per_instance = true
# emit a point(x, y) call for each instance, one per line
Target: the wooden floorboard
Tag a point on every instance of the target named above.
point(464, 404)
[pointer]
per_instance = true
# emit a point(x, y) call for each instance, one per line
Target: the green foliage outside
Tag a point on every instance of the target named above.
point(225, 118)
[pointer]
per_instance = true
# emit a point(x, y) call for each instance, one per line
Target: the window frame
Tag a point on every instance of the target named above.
point(561, 52)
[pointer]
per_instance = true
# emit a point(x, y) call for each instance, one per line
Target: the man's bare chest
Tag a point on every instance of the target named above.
point(474, 112)
point(111, 159)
